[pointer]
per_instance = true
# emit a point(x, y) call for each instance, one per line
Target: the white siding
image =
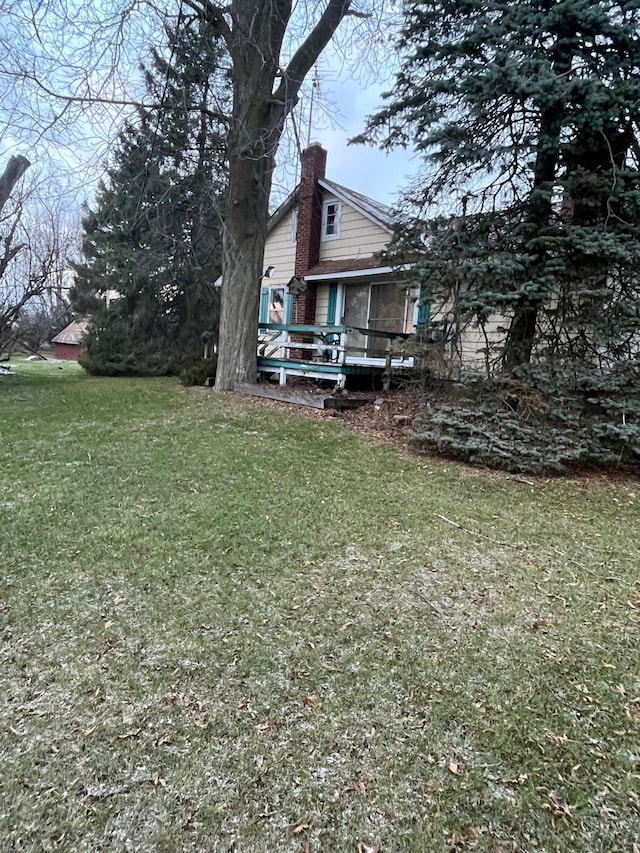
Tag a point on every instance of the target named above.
point(473, 341)
point(359, 237)
point(280, 252)
point(322, 303)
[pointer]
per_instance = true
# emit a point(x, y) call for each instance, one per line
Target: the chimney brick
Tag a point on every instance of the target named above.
point(313, 163)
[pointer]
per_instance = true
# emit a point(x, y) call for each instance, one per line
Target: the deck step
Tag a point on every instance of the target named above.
point(313, 401)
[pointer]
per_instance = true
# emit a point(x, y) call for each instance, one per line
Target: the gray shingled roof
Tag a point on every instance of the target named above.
point(372, 209)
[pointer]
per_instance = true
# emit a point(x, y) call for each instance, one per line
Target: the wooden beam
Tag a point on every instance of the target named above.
point(296, 397)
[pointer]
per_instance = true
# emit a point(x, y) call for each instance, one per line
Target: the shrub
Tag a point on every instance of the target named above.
point(542, 419)
point(199, 373)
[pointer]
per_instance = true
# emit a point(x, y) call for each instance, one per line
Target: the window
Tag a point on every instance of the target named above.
point(275, 304)
point(378, 307)
point(331, 220)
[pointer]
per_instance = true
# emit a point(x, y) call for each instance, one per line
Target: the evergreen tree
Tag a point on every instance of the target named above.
point(152, 242)
point(527, 114)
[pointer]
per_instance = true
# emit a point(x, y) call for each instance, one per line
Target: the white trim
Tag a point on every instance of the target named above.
point(366, 361)
point(337, 203)
point(334, 276)
point(340, 305)
point(353, 202)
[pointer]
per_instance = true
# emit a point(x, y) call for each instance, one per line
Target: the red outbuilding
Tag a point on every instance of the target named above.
point(67, 344)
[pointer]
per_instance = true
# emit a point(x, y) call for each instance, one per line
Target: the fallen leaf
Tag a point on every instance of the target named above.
point(300, 827)
point(454, 768)
point(558, 805)
point(130, 734)
point(558, 740)
point(16, 732)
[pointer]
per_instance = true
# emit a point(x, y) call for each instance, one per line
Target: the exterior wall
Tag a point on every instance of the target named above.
point(322, 304)
point(472, 341)
point(280, 252)
point(359, 236)
point(467, 347)
point(68, 352)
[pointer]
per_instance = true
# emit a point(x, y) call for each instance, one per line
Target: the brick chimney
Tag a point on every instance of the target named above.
point(313, 161)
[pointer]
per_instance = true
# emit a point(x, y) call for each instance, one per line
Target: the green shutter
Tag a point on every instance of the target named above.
point(333, 304)
point(264, 305)
point(424, 308)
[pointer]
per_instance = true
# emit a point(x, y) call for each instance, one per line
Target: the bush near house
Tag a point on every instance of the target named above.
point(199, 373)
point(539, 420)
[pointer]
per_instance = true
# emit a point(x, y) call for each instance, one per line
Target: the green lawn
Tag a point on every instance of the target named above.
point(228, 627)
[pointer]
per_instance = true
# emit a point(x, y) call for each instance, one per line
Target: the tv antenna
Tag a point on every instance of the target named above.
point(314, 85)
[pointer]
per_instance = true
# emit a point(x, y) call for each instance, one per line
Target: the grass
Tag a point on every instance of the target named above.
point(226, 627)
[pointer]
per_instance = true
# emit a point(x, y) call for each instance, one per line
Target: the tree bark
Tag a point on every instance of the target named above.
point(15, 169)
point(260, 108)
point(522, 329)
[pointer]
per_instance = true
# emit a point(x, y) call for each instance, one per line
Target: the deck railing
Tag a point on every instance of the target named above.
point(317, 340)
point(336, 348)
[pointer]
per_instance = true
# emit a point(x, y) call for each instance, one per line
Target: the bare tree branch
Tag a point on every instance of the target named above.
point(15, 169)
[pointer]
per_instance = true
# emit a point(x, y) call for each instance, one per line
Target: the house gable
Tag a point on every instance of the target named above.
point(359, 237)
point(280, 248)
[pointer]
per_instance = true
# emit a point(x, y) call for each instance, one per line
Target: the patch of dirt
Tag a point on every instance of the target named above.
point(388, 417)
point(385, 416)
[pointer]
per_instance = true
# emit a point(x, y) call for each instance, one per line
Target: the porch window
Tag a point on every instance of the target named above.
point(275, 304)
point(374, 306)
point(331, 220)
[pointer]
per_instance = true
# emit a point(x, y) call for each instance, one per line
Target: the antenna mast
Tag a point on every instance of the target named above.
point(315, 85)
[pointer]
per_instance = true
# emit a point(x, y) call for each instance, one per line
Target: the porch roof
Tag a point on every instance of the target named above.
point(350, 268)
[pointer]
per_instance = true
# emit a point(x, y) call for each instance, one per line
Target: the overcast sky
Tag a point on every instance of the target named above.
point(339, 114)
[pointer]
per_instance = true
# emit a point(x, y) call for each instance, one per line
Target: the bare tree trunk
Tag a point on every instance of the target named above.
point(260, 107)
point(245, 231)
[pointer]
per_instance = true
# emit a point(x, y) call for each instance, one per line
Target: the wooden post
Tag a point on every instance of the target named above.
point(386, 383)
